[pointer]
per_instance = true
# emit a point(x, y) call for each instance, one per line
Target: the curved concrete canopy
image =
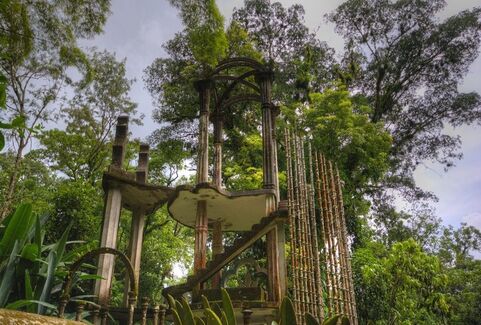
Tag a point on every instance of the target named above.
point(237, 211)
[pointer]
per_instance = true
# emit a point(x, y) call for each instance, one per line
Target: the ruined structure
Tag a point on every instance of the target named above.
point(310, 216)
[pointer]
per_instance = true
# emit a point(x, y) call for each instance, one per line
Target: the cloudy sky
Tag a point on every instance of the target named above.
point(136, 30)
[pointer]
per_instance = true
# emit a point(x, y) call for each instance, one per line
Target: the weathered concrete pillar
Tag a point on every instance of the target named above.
point(264, 79)
point(276, 263)
point(275, 238)
point(137, 224)
point(113, 206)
point(218, 142)
point(201, 226)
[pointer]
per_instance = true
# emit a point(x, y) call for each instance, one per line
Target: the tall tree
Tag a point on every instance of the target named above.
point(81, 151)
point(410, 66)
point(36, 71)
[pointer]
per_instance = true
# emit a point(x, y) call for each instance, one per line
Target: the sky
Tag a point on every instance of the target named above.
point(136, 30)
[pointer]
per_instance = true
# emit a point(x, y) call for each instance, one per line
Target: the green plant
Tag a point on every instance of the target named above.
point(29, 269)
point(288, 316)
point(183, 315)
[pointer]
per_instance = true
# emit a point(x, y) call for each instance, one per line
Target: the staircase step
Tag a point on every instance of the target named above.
point(230, 252)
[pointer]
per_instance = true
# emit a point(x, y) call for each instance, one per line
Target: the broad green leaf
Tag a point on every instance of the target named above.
point(87, 276)
point(212, 318)
point(2, 141)
point(199, 321)
point(60, 246)
point(17, 229)
point(45, 293)
point(288, 315)
point(26, 302)
point(228, 308)
point(29, 291)
point(8, 277)
point(179, 308)
point(331, 320)
point(30, 252)
point(171, 301)
point(311, 320)
point(216, 308)
point(205, 302)
point(223, 318)
point(188, 316)
point(38, 232)
point(176, 317)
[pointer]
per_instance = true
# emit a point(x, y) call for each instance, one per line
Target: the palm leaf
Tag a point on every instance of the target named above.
point(228, 308)
point(8, 275)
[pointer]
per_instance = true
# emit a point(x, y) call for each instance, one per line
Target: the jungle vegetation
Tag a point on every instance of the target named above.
point(379, 109)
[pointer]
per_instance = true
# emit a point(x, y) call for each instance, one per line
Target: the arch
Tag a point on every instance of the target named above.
point(236, 80)
point(241, 98)
point(238, 62)
point(67, 284)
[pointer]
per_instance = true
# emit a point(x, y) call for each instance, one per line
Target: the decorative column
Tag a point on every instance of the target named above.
point(138, 222)
point(217, 245)
point(112, 208)
point(201, 226)
point(264, 79)
point(276, 285)
point(218, 141)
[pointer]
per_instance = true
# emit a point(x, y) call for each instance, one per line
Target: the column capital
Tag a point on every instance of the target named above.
point(264, 75)
point(203, 84)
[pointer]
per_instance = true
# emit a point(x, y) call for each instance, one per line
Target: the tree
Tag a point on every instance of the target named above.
point(81, 151)
point(36, 67)
point(280, 35)
point(339, 126)
point(406, 285)
point(410, 65)
point(457, 245)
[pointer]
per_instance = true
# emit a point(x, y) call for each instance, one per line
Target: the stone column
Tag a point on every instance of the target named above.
point(112, 209)
point(264, 80)
point(201, 226)
point(137, 224)
point(275, 238)
point(276, 263)
point(218, 141)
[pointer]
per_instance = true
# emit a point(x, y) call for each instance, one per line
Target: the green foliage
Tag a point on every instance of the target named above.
point(404, 283)
point(400, 48)
point(30, 269)
point(75, 202)
point(41, 39)
point(340, 128)
point(288, 314)
point(204, 27)
point(167, 245)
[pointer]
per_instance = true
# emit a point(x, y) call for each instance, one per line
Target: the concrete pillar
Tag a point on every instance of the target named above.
point(137, 224)
point(264, 79)
point(218, 141)
point(201, 226)
point(275, 238)
point(113, 203)
point(112, 209)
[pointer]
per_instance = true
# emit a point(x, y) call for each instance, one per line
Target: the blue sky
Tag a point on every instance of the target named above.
point(137, 29)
